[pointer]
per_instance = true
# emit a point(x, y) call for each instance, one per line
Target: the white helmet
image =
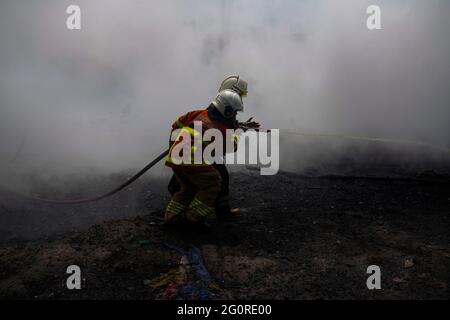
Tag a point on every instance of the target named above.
point(235, 83)
point(227, 102)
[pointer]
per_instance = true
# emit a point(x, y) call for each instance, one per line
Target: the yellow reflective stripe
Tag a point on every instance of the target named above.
point(201, 208)
point(194, 133)
point(179, 123)
point(175, 207)
point(201, 212)
point(196, 201)
point(191, 131)
point(169, 155)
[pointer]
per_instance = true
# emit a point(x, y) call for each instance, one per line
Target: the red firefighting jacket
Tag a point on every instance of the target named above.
point(186, 135)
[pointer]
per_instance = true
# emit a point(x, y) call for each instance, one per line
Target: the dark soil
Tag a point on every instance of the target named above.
point(296, 238)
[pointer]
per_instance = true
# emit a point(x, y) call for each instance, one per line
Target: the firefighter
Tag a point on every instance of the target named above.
point(222, 205)
point(200, 184)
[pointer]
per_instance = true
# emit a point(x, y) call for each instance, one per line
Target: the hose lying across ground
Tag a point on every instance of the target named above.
point(165, 153)
point(106, 195)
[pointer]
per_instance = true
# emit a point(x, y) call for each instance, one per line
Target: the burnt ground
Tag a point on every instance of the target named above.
point(296, 238)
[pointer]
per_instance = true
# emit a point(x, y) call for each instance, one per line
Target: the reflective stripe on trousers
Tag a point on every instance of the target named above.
point(201, 208)
point(175, 207)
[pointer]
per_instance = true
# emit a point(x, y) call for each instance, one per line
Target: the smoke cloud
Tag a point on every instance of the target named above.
point(102, 99)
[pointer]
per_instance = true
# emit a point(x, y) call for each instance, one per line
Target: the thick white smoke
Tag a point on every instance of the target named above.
point(103, 98)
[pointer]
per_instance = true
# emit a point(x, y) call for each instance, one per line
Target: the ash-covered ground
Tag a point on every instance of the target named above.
point(297, 237)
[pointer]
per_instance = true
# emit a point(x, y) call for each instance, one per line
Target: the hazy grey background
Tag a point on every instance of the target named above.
point(102, 99)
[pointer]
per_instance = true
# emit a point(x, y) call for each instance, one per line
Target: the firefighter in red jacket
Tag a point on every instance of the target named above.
point(200, 182)
point(223, 208)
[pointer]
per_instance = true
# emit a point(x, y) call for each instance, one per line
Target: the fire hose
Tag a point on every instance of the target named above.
point(245, 126)
point(106, 195)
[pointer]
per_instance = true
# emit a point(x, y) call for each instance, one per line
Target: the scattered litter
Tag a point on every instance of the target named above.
point(170, 277)
point(203, 277)
point(146, 242)
point(409, 263)
point(190, 281)
point(398, 280)
point(184, 268)
point(147, 282)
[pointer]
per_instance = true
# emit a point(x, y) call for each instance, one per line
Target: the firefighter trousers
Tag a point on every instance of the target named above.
point(222, 205)
point(197, 196)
